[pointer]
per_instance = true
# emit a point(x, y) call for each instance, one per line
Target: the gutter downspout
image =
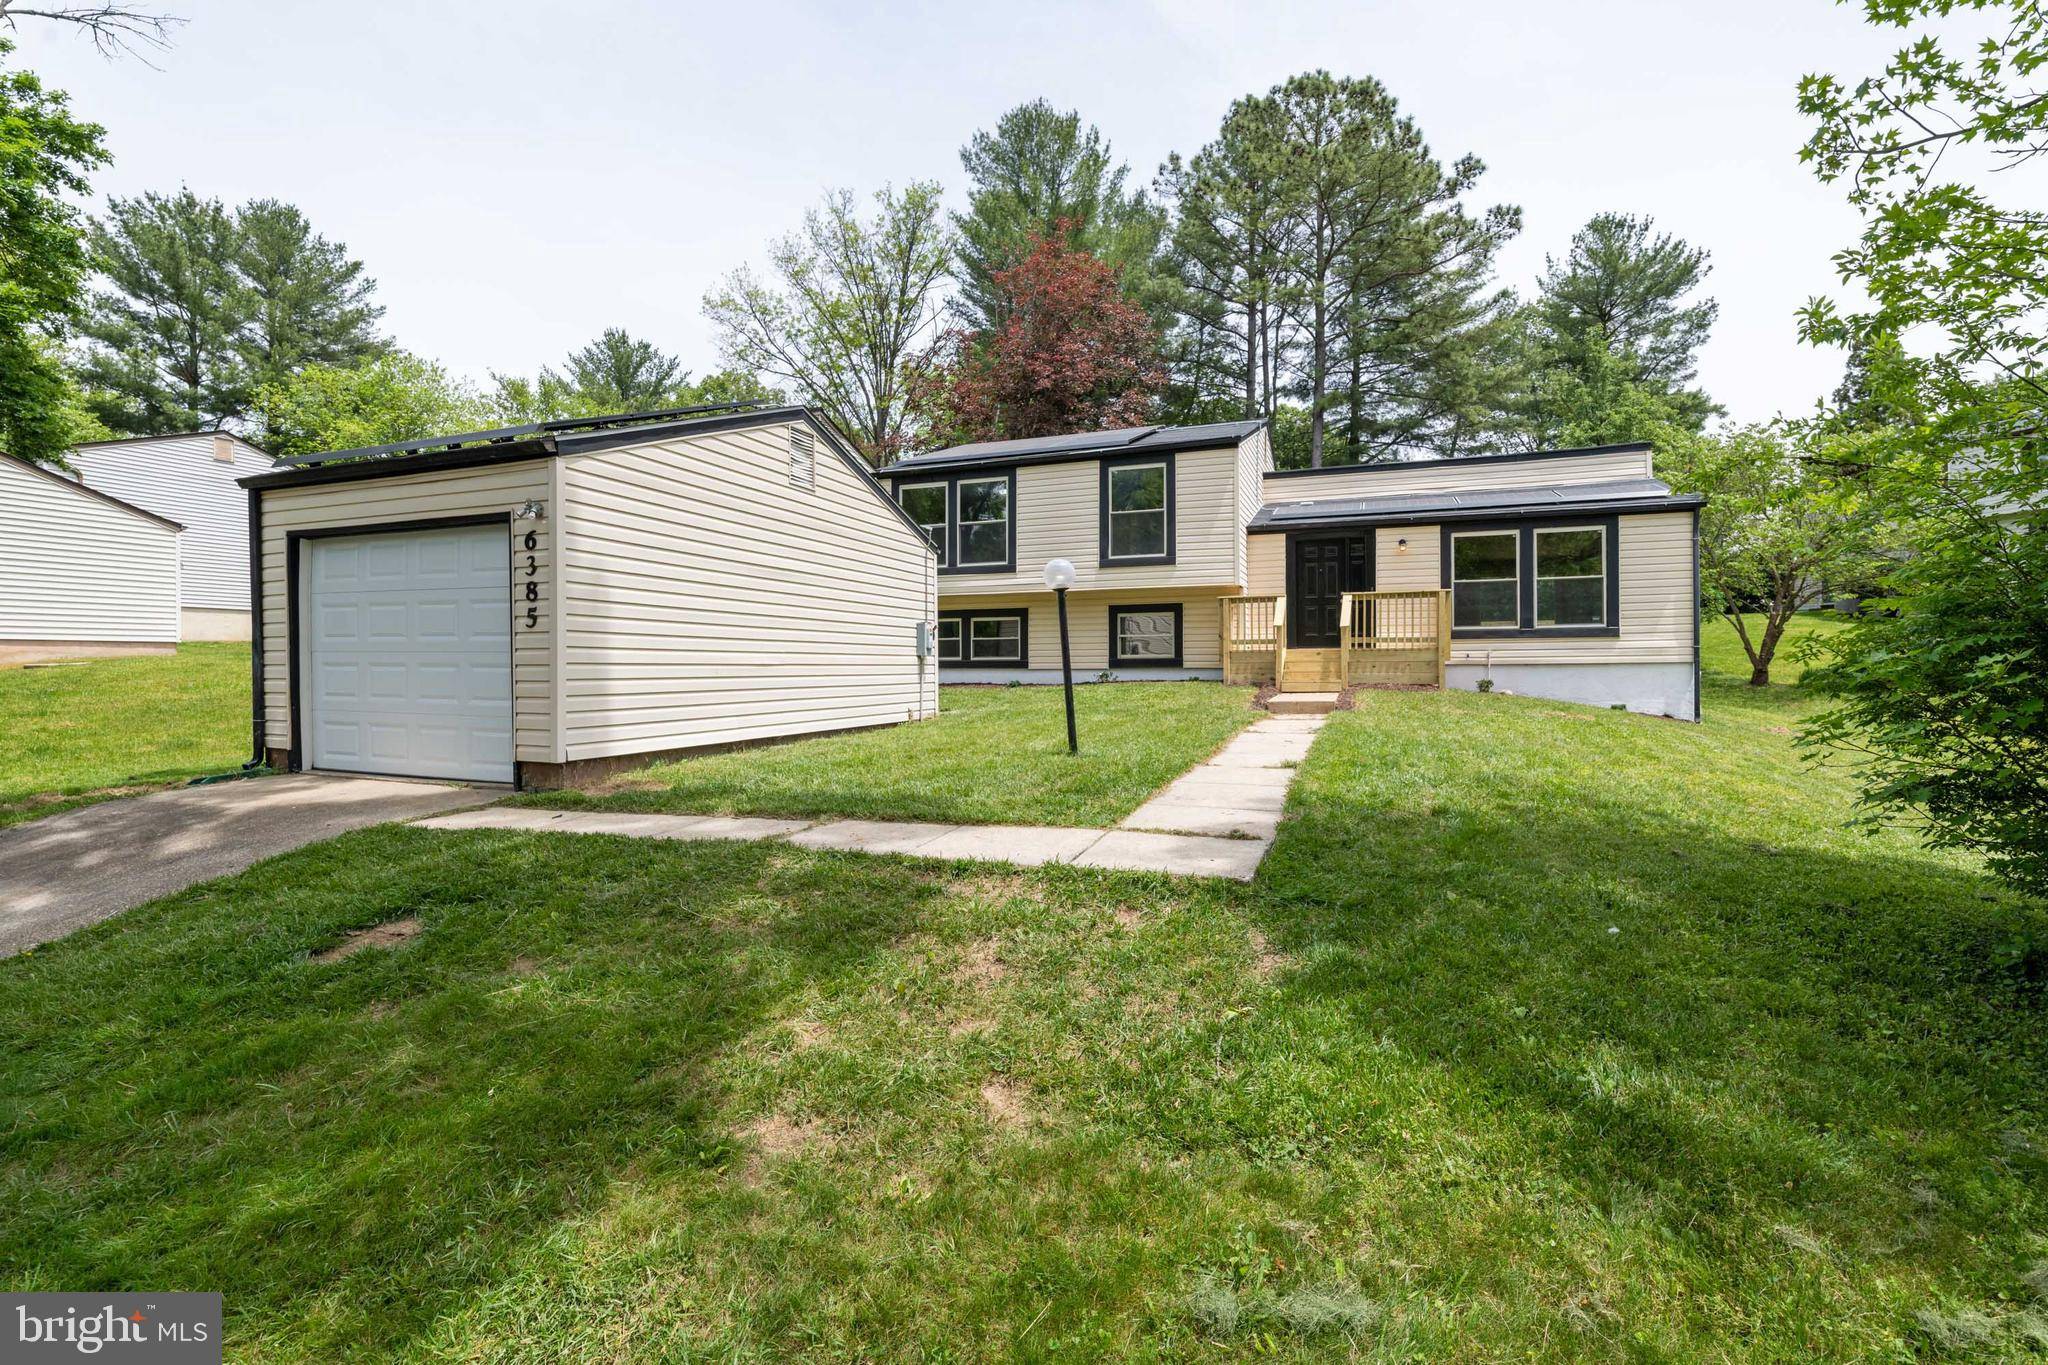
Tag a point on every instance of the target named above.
point(257, 757)
point(1697, 713)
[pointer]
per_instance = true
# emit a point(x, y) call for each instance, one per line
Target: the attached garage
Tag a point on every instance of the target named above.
point(547, 603)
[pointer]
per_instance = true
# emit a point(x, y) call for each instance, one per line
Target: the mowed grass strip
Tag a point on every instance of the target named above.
point(1546, 1033)
point(104, 727)
point(993, 755)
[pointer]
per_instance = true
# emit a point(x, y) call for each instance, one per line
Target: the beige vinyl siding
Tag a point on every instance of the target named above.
point(1418, 566)
point(492, 490)
point(1254, 458)
point(1365, 481)
point(1265, 565)
point(77, 567)
point(707, 600)
point(1657, 611)
point(1088, 626)
point(1058, 516)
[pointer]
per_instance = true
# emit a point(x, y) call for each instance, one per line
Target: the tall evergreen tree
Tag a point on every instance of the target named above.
point(167, 325)
point(44, 153)
point(1633, 284)
point(1040, 168)
point(201, 309)
point(307, 302)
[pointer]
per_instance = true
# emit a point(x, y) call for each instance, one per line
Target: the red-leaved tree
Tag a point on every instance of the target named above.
point(1072, 355)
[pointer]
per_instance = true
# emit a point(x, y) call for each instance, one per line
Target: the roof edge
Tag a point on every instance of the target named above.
point(1375, 466)
point(934, 462)
point(1671, 502)
point(81, 486)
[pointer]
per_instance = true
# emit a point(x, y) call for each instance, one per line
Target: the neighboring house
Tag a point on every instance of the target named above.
point(548, 603)
point(82, 568)
point(1568, 574)
point(190, 478)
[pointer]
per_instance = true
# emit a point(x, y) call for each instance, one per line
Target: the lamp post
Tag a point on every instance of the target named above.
point(1059, 576)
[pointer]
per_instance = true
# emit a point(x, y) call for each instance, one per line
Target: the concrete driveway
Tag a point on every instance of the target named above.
point(66, 871)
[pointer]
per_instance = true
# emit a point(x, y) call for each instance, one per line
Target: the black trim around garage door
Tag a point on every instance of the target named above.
point(294, 760)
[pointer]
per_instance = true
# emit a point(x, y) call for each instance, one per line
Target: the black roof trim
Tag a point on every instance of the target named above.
point(549, 446)
point(1210, 435)
point(1676, 502)
point(1455, 459)
point(80, 486)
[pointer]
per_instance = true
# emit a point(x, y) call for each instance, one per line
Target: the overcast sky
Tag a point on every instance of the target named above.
point(520, 175)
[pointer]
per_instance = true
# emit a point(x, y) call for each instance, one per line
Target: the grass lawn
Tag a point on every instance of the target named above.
point(73, 735)
point(1545, 1033)
point(994, 755)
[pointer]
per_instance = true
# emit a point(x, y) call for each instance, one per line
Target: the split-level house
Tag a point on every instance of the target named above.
point(1569, 574)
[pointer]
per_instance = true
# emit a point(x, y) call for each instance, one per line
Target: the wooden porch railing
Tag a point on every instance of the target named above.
point(1393, 635)
point(1252, 634)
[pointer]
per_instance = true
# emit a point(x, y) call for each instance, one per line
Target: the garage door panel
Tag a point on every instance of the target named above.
point(409, 659)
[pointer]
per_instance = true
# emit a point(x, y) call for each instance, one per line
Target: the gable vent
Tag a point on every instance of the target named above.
point(803, 458)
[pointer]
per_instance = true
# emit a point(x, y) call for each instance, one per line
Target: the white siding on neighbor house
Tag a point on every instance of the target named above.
point(1058, 516)
point(1438, 476)
point(491, 490)
point(77, 567)
point(1088, 628)
point(178, 477)
point(708, 600)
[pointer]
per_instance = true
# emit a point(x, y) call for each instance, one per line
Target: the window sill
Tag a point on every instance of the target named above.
point(1147, 562)
point(1538, 633)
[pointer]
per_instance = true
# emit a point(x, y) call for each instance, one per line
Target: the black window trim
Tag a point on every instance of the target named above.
point(952, 481)
point(1179, 636)
point(966, 617)
point(944, 548)
point(1103, 557)
point(1525, 529)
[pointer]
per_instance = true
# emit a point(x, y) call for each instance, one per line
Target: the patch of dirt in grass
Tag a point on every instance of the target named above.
point(809, 1033)
point(981, 967)
point(1006, 1104)
point(524, 965)
point(1128, 916)
point(777, 1137)
point(1266, 962)
point(389, 934)
point(968, 1024)
point(1014, 886)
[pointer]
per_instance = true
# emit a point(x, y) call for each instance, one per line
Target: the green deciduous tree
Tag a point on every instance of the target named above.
point(1945, 694)
point(392, 396)
point(45, 154)
point(1037, 169)
point(1778, 528)
point(849, 316)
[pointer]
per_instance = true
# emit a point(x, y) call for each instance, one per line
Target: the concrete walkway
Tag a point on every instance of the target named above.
point(1216, 821)
point(66, 871)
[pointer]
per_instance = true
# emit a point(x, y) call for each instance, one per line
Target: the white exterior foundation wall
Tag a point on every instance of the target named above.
point(79, 568)
point(707, 599)
point(1649, 689)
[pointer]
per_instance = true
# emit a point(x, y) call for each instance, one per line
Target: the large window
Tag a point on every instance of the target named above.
point(1571, 576)
point(982, 509)
point(1485, 580)
point(1137, 510)
point(1529, 579)
point(926, 505)
point(984, 639)
point(1142, 637)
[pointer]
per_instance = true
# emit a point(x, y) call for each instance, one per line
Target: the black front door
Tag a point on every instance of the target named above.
point(1317, 592)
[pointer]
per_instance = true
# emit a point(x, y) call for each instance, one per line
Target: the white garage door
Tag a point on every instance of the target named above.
point(408, 653)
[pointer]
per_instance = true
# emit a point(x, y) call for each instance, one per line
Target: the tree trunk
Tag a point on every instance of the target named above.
point(1319, 360)
point(1774, 627)
point(1253, 323)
